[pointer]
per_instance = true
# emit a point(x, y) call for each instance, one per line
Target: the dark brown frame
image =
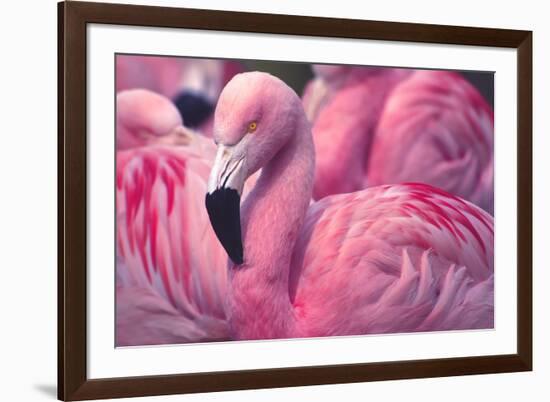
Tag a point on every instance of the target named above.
point(73, 383)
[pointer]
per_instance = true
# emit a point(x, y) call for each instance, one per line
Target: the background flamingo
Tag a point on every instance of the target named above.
point(386, 259)
point(144, 117)
point(382, 126)
point(171, 270)
point(170, 281)
point(170, 267)
point(192, 84)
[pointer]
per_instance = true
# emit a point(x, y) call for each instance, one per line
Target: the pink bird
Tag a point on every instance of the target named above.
point(170, 276)
point(192, 84)
point(145, 118)
point(394, 258)
point(171, 270)
point(385, 126)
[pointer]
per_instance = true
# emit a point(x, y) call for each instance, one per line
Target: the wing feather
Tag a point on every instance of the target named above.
point(393, 258)
point(164, 238)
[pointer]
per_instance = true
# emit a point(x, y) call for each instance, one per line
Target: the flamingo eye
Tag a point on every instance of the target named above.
point(252, 127)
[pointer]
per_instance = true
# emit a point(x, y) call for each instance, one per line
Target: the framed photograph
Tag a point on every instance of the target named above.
point(253, 200)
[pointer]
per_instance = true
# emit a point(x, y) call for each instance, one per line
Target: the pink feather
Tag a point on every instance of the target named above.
point(385, 126)
point(171, 271)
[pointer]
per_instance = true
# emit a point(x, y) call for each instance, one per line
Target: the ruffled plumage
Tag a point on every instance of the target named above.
point(173, 267)
point(391, 259)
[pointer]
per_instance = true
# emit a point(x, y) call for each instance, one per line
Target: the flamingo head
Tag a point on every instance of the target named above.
point(144, 118)
point(255, 116)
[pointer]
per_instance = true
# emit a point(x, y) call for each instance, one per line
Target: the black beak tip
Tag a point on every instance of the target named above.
point(223, 206)
point(237, 259)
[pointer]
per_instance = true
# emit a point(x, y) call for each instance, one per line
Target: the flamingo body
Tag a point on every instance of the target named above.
point(393, 259)
point(171, 271)
point(387, 126)
point(440, 130)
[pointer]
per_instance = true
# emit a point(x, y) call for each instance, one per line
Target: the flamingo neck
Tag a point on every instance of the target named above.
point(259, 305)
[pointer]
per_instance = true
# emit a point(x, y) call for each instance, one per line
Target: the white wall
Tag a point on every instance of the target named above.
point(28, 199)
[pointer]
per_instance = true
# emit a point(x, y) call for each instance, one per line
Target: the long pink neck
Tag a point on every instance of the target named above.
point(259, 306)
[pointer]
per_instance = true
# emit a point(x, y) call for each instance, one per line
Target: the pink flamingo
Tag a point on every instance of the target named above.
point(385, 126)
point(387, 259)
point(145, 118)
point(192, 84)
point(171, 275)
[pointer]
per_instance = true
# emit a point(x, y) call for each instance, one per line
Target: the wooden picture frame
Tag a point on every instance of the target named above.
point(73, 17)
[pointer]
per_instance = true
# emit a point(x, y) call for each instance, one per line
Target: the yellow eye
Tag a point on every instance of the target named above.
point(252, 127)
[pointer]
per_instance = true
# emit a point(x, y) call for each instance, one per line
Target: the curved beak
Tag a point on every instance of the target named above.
point(223, 200)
